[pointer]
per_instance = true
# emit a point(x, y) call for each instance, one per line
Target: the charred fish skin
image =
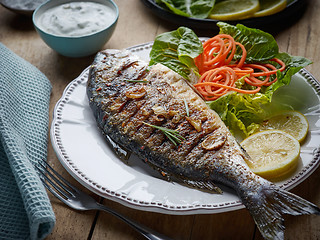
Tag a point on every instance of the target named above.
point(128, 101)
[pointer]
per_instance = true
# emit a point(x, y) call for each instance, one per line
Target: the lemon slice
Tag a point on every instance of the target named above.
point(269, 7)
point(234, 9)
point(292, 122)
point(274, 153)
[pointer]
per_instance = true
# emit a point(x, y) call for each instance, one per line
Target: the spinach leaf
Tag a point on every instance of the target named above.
point(188, 8)
point(176, 50)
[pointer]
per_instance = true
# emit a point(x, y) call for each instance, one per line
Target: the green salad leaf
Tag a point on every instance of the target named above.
point(188, 8)
point(177, 50)
point(293, 65)
point(241, 112)
point(260, 46)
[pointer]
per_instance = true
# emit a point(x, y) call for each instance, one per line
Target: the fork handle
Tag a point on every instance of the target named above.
point(143, 230)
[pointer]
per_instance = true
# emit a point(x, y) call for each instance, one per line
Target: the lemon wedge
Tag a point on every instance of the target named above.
point(234, 9)
point(274, 153)
point(269, 7)
point(292, 122)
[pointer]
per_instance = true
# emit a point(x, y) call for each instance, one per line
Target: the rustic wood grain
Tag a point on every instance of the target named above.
point(138, 25)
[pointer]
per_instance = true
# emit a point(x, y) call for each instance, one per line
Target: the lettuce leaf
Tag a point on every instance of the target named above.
point(192, 8)
point(239, 111)
point(176, 50)
point(260, 46)
point(293, 65)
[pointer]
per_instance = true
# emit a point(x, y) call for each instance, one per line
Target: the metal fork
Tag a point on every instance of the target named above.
point(79, 200)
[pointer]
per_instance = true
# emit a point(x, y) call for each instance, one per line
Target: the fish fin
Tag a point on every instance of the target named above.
point(267, 206)
point(210, 186)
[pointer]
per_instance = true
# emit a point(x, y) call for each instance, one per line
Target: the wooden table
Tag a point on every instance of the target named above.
point(138, 25)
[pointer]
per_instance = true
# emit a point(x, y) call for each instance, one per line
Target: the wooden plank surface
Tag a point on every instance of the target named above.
point(138, 25)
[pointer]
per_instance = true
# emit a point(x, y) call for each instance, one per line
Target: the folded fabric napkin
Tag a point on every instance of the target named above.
point(25, 209)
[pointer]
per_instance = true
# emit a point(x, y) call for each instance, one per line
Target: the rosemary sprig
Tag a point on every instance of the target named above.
point(172, 135)
point(187, 107)
point(130, 80)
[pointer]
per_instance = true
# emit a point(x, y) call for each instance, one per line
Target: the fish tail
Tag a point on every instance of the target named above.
point(269, 204)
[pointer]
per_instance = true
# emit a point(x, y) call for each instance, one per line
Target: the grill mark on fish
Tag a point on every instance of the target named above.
point(128, 115)
point(208, 154)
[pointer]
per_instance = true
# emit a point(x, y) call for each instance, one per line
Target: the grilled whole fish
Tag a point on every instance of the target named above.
point(130, 103)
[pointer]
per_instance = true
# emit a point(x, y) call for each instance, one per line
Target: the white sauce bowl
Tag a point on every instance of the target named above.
point(73, 28)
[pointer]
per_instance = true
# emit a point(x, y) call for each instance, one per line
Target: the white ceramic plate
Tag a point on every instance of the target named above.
point(85, 154)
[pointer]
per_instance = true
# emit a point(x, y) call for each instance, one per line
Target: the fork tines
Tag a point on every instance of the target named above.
point(51, 178)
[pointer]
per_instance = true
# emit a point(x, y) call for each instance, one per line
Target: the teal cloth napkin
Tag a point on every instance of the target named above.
point(25, 209)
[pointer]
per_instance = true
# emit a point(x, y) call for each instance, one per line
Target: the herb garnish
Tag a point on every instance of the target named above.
point(141, 81)
point(173, 135)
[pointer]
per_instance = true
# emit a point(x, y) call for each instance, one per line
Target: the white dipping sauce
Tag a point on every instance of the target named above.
point(76, 19)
